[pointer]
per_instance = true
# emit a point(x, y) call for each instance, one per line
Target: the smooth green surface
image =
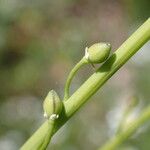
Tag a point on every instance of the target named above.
point(124, 52)
point(41, 138)
point(48, 136)
point(82, 62)
point(98, 52)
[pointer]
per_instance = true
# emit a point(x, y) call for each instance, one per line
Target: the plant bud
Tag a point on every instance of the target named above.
point(52, 105)
point(98, 52)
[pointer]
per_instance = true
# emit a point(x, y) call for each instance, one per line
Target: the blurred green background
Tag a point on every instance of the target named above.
point(40, 41)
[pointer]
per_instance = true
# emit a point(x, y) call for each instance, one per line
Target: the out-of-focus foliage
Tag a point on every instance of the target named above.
point(40, 41)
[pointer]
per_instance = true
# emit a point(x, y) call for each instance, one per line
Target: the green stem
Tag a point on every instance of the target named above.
point(40, 139)
point(82, 62)
point(49, 135)
point(132, 127)
point(91, 86)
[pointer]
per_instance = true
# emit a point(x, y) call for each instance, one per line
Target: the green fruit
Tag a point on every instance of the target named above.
point(98, 52)
point(52, 104)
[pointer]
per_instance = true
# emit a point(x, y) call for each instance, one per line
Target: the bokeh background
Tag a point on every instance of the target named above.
point(40, 41)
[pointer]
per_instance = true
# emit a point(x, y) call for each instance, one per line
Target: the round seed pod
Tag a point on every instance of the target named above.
point(52, 105)
point(98, 52)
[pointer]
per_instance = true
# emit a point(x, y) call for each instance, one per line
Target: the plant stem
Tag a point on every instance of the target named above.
point(89, 87)
point(41, 138)
point(48, 135)
point(82, 62)
point(132, 127)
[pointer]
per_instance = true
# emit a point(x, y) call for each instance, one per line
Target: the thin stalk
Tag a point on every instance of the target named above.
point(91, 86)
point(82, 62)
point(116, 141)
point(40, 139)
point(48, 135)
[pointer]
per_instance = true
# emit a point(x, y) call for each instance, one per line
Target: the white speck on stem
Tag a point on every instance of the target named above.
point(86, 53)
point(54, 117)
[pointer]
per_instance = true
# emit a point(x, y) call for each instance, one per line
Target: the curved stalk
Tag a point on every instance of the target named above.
point(82, 62)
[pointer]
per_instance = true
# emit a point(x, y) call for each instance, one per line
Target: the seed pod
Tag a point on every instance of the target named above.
point(52, 105)
point(98, 52)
